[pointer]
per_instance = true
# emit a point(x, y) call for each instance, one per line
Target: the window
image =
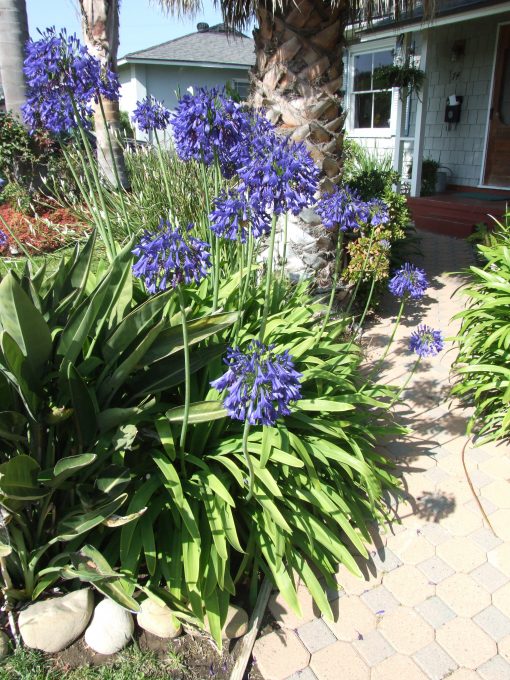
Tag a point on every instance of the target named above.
point(372, 101)
point(242, 87)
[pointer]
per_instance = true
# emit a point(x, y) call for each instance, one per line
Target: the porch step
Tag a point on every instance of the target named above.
point(446, 214)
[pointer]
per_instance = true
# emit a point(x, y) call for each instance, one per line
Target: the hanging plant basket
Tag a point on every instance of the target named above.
point(404, 77)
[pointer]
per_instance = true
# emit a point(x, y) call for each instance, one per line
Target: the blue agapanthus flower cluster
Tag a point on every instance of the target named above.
point(63, 76)
point(279, 176)
point(378, 212)
point(426, 342)
point(233, 216)
point(343, 208)
point(260, 384)
point(166, 258)
point(151, 114)
point(3, 239)
point(408, 281)
point(208, 123)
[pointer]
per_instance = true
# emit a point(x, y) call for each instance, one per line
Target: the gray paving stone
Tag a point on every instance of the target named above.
point(489, 577)
point(435, 611)
point(380, 600)
point(493, 622)
point(487, 505)
point(480, 478)
point(436, 475)
point(485, 538)
point(435, 569)
point(306, 674)
point(374, 648)
point(385, 560)
point(435, 662)
point(495, 669)
point(434, 533)
point(316, 635)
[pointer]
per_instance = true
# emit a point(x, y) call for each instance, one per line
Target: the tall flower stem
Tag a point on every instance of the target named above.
point(284, 249)
point(164, 174)
point(245, 284)
point(338, 260)
point(358, 282)
point(369, 298)
point(269, 277)
point(380, 362)
point(406, 383)
point(216, 241)
point(187, 374)
point(251, 477)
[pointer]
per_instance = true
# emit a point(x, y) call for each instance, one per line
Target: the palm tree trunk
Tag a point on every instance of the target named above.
point(14, 36)
point(100, 20)
point(298, 75)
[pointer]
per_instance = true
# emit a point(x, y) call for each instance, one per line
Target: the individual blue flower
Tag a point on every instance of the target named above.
point(208, 124)
point(385, 244)
point(343, 208)
point(260, 384)
point(63, 81)
point(426, 342)
point(151, 114)
point(4, 240)
point(233, 217)
point(408, 281)
point(279, 176)
point(166, 258)
point(378, 212)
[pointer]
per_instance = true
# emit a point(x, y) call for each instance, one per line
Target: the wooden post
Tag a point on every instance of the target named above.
point(421, 115)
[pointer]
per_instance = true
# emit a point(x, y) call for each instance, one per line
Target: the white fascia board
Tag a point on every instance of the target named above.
point(171, 62)
point(397, 29)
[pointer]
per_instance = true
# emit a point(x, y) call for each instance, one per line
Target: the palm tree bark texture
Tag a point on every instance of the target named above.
point(100, 19)
point(298, 75)
point(14, 36)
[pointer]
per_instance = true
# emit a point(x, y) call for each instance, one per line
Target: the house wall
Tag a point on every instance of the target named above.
point(163, 82)
point(460, 147)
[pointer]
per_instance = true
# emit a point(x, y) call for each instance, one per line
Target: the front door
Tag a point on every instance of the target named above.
point(497, 162)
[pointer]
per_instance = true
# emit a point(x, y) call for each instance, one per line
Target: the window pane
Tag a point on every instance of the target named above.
point(362, 72)
point(381, 59)
point(363, 111)
point(382, 109)
point(242, 88)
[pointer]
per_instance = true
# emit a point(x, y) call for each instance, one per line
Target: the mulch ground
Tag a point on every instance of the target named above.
point(48, 230)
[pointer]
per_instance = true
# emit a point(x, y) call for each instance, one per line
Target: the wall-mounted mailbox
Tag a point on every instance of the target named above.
point(453, 109)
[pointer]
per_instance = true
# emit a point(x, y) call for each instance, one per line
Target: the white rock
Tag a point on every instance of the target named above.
point(236, 623)
point(54, 624)
point(158, 620)
point(111, 628)
point(5, 648)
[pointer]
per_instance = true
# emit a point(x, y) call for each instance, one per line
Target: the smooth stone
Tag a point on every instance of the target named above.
point(310, 216)
point(52, 625)
point(314, 261)
point(111, 628)
point(236, 623)
point(158, 620)
point(5, 647)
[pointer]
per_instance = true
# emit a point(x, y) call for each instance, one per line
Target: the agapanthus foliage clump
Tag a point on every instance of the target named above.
point(233, 216)
point(168, 258)
point(426, 342)
point(261, 384)
point(408, 282)
point(63, 81)
point(151, 114)
point(208, 124)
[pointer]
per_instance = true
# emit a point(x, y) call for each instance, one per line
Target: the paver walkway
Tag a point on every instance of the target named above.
point(435, 600)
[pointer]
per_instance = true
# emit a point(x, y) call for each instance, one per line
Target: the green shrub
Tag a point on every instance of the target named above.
point(17, 196)
point(367, 172)
point(483, 362)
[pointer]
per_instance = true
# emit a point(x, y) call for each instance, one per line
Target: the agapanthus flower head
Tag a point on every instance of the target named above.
point(167, 258)
point(4, 239)
point(408, 281)
point(233, 217)
point(260, 383)
point(63, 80)
point(384, 244)
point(378, 212)
point(343, 208)
point(151, 114)
point(208, 124)
point(279, 175)
point(426, 342)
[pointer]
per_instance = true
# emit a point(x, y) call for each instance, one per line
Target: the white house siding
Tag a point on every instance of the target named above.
point(164, 82)
point(461, 148)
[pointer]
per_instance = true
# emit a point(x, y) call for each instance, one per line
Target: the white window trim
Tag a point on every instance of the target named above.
point(368, 47)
